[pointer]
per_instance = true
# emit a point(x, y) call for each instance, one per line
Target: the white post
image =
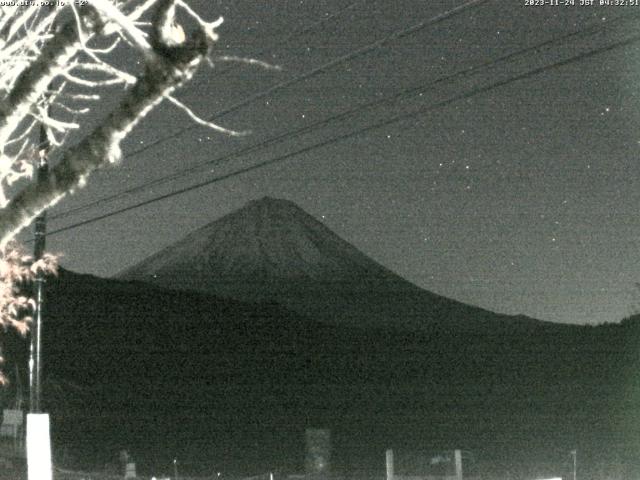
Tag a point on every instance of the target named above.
point(38, 447)
point(458, 456)
point(389, 464)
point(130, 470)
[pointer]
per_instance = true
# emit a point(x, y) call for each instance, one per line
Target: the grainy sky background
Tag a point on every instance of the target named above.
point(520, 199)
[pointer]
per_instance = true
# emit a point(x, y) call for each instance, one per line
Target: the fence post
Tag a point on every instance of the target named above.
point(38, 447)
point(458, 457)
point(390, 472)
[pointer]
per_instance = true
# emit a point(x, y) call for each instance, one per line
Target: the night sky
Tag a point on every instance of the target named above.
point(520, 198)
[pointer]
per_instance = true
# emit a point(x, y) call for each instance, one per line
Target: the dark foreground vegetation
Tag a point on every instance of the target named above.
point(230, 386)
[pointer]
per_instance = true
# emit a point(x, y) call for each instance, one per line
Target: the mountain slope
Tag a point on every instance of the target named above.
point(231, 385)
point(273, 250)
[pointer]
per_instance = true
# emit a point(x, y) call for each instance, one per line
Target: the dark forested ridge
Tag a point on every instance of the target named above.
point(232, 385)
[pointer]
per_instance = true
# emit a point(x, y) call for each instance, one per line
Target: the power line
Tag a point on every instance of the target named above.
point(297, 33)
point(361, 51)
point(389, 121)
point(325, 66)
point(474, 69)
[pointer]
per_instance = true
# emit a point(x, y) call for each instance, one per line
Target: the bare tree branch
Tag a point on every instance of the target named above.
point(34, 80)
point(166, 67)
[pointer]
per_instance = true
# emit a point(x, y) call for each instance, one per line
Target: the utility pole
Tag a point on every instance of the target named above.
point(35, 355)
point(574, 454)
point(39, 464)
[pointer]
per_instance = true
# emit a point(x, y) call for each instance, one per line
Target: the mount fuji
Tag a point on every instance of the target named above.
point(312, 332)
point(272, 250)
